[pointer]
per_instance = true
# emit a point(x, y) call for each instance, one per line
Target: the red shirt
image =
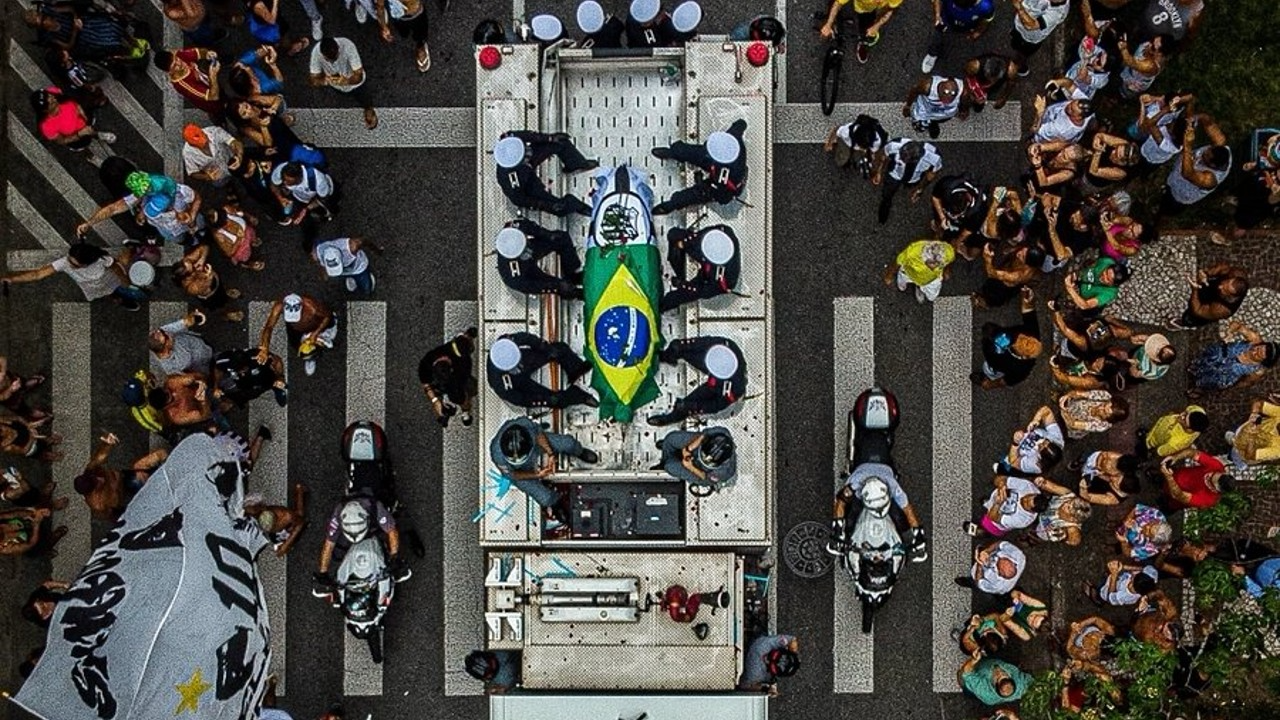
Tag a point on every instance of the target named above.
point(68, 120)
point(1191, 480)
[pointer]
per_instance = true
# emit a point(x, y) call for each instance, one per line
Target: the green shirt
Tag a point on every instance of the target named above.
point(1091, 285)
point(979, 682)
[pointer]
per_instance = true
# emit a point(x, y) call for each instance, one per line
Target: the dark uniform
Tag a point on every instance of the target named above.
point(447, 368)
point(722, 183)
point(517, 385)
point(658, 32)
point(521, 183)
point(608, 36)
point(524, 274)
point(239, 378)
point(673, 445)
point(714, 394)
point(711, 280)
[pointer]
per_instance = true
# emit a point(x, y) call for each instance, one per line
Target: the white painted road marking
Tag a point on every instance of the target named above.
point(28, 217)
point(952, 481)
point(366, 351)
point(463, 581)
point(271, 478)
point(72, 392)
point(853, 362)
point(804, 123)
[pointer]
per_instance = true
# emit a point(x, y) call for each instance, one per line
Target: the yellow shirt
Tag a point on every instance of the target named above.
point(1259, 442)
point(866, 6)
point(911, 260)
point(1167, 436)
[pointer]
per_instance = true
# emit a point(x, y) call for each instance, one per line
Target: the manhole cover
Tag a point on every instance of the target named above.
point(805, 550)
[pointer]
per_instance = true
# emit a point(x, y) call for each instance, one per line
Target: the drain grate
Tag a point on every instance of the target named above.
point(804, 550)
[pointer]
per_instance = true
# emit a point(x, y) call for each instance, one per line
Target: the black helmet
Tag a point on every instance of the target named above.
point(481, 665)
point(767, 29)
point(516, 442)
point(715, 450)
point(489, 32)
point(782, 663)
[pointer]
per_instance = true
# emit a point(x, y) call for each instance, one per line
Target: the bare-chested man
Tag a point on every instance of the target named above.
point(282, 525)
point(309, 324)
point(107, 491)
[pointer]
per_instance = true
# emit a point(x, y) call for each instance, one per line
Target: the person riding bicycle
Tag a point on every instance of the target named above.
point(871, 15)
point(354, 516)
point(874, 485)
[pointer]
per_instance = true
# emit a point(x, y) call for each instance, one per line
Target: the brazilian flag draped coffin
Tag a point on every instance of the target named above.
point(167, 619)
point(622, 282)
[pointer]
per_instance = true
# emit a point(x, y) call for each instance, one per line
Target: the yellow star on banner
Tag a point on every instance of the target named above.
point(191, 691)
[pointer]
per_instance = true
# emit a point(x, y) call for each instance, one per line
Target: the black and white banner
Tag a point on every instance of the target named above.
point(167, 620)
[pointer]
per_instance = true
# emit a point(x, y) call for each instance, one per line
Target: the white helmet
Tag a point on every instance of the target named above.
point(875, 494)
point(354, 519)
point(546, 28)
point(510, 243)
point(686, 16)
point(721, 362)
point(504, 354)
point(508, 152)
point(716, 246)
point(723, 147)
point(590, 16)
point(643, 11)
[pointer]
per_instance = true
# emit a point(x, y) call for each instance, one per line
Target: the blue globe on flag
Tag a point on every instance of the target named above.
point(622, 336)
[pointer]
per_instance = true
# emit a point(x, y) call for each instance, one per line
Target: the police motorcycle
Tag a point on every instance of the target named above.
point(871, 548)
point(364, 583)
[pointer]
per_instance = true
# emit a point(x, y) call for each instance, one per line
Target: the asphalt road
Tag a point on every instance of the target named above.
point(420, 203)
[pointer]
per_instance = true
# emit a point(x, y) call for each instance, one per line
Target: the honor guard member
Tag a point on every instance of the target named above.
point(525, 453)
point(514, 358)
point(447, 379)
point(684, 22)
point(724, 160)
point(522, 245)
point(705, 459)
point(599, 30)
point(648, 26)
point(715, 250)
point(546, 29)
point(518, 176)
point(721, 360)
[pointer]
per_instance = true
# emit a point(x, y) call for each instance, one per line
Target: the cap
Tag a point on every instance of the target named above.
point(292, 307)
point(686, 16)
point(590, 16)
point(717, 247)
point(194, 135)
point(721, 362)
point(1154, 344)
point(508, 152)
point(138, 182)
point(723, 147)
point(510, 243)
point(157, 204)
point(505, 354)
point(643, 11)
point(546, 28)
point(142, 273)
point(134, 394)
point(331, 259)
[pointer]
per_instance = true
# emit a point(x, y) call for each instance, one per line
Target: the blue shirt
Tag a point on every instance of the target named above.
point(1265, 577)
point(967, 18)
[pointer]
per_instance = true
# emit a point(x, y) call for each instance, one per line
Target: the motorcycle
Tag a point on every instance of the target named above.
point(364, 584)
point(872, 551)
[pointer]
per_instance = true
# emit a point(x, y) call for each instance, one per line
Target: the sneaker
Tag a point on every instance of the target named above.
point(317, 30)
point(589, 456)
point(351, 284)
point(926, 65)
point(309, 365)
point(970, 528)
point(107, 137)
point(373, 284)
point(282, 396)
point(130, 305)
point(466, 418)
point(955, 634)
point(862, 52)
point(662, 153)
point(1024, 70)
point(264, 432)
point(935, 129)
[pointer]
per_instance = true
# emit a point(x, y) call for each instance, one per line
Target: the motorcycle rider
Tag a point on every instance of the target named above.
point(351, 517)
point(859, 491)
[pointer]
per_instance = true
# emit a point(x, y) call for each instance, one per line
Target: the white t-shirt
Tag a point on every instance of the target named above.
point(311, 178)
point(96, 280)
point(1056, 124)
point(352, 263)
point(1029, 454)
point(195, 160)
point(1013, 516)
point(1049, 15)
point(168, 223)
point(1187, 192)
point(989, 578)
point(930, 161)
point(345, 65)
point(1123, 594)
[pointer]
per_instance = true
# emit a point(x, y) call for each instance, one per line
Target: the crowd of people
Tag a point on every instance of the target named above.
point(1072, 214)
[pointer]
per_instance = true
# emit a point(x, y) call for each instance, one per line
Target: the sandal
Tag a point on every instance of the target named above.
point(255, 265)
point(424, 60)
point(235, 316)
point(234, 293)
point(371, 118)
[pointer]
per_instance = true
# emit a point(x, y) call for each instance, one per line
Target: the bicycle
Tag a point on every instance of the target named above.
point(832, 64)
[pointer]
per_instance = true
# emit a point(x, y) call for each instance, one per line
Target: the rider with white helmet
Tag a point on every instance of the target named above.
point(875, 487)
point(354, 518)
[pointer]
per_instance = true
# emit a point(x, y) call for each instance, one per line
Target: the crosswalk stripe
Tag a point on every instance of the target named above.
point(160, 313)
point(72, 392)
point(854, 371)
point(952, 490)
point(804, 123)
point(366, 350)
point(171, 108)
point(271, 478)
point(31, 219)
point(31, 259)
point(463, 580)
point(32, 76)
point(66, 186)
point(137, 116)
